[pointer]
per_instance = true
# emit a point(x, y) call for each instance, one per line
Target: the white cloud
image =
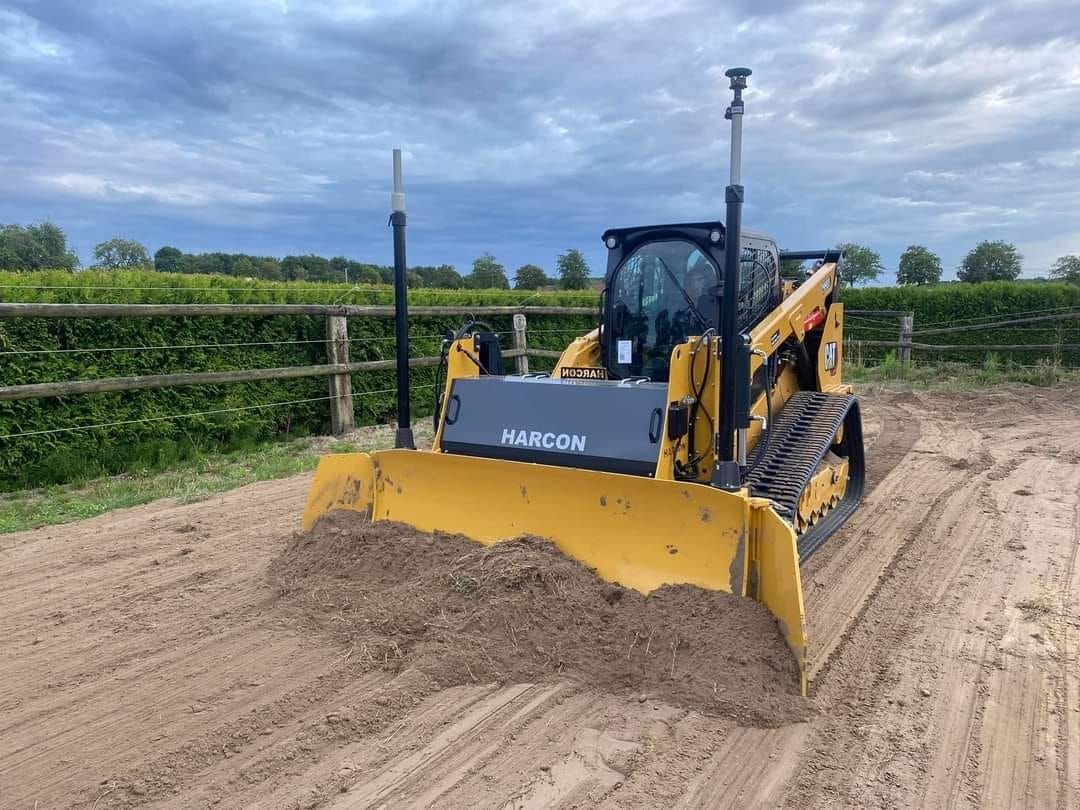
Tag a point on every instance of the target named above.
point(884, 124)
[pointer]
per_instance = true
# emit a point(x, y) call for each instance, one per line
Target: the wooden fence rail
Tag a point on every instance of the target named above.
point(907, 323)
point(11, 393)
point(338, 368)
point(906, 340)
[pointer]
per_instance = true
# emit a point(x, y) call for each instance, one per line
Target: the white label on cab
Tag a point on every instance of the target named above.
point(625, 354)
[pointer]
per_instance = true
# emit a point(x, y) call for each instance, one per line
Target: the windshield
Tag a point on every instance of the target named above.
point(662, 293)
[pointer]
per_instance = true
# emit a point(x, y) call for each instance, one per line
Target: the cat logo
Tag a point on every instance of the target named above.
point(583, 373)
point(830, 357)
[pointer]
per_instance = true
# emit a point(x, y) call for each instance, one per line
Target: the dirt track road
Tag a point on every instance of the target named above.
point(143, 661)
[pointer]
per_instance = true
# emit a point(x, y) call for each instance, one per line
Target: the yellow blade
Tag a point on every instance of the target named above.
point(775, 559)
point(639, 532)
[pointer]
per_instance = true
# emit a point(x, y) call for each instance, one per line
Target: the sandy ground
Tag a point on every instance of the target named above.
point(144, 661)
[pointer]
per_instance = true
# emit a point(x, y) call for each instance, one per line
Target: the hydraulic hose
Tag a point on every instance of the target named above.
point(768, 417)
point(470, 326)
point(692, 458)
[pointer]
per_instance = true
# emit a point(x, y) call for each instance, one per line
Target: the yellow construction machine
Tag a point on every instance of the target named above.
point(701, 434)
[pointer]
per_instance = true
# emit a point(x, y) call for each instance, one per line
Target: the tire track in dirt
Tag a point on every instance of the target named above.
point(924, 625)
point(179, 685)
point(1017, 756)
point(839, 589)
point(122, 643)
point(852, 682)
point(1068, 696)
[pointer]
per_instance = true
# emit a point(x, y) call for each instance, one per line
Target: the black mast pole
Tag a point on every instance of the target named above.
point(726, 472)
point(404, 436)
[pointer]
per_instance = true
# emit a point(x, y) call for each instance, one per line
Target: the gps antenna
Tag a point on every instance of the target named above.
point(404, 436)
point(734, 370)
point(734, 114)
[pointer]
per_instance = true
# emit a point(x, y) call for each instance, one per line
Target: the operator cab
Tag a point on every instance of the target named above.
point(664, 284)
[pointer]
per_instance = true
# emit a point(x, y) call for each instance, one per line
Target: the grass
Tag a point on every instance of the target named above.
point(188, 481)
point(891, 373)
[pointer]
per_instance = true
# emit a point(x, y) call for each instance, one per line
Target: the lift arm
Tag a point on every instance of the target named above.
point(803, 310)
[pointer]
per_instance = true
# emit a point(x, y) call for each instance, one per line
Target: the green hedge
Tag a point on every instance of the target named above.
point(943, 305)
point(298, 340)
point(291, 341)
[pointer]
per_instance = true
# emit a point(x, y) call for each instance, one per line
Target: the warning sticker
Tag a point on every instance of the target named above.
point(583, 373)
point(625, 351)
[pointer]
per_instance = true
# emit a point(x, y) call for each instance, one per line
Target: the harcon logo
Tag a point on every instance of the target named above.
point(546, 441)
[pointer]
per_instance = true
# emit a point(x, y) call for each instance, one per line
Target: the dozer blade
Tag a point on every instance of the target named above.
point(638, 532)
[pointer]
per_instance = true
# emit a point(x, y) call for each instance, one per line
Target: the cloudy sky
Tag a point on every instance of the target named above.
point(265, 126)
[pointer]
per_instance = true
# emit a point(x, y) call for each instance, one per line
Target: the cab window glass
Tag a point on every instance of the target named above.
point(662, 293)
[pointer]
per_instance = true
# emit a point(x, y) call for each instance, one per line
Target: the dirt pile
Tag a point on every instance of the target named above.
point(521, 611)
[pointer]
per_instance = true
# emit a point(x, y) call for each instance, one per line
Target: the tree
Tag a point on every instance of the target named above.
point(270, 269)
point(446, 276)
point(207, 263)
point(339, 269)
point(243, 267)
point(121, 254)
point(991, 261)
point(573, 270)
point(168, 260)
point(292, 268)
point(318, 268)
point(918, 265)
point(1067, 268)
point(54, 244)
point(367, 275)
point(488, 274)
point(530, 277)
point(35, 247)
point(860, 264)
point(360, 273)
point(792, 269)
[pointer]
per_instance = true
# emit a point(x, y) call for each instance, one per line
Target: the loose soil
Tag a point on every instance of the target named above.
point(149, 657)
point(520, 611)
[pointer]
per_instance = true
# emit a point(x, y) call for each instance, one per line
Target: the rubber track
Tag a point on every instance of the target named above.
point(801, 435)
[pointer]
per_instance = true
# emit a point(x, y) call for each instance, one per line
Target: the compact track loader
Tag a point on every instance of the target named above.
point(701, 434)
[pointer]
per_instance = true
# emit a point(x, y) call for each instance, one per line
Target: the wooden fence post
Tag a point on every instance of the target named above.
point(520, 343)
point(337, 351)
point(907, 324)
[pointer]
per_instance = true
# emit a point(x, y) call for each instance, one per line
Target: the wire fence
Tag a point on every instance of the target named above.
point(45, 409)
point(1046, 330)
point(211, 412)
point(998, 316)
point(1048, 321)
point(859, 324)
point(175, 347)
point(8, 350)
